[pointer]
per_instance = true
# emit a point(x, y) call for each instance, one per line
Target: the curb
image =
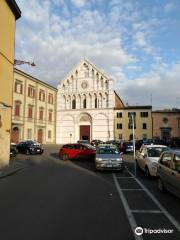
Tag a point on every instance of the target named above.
point(9, 171)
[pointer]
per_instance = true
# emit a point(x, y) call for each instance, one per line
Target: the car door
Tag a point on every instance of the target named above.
point(141, 157)
point(165, 169)
point(176, 174)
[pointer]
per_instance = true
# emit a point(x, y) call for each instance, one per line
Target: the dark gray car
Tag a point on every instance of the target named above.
point(169, 172)
point(108, 157)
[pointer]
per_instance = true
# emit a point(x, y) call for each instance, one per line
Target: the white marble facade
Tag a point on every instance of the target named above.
point(85, 105)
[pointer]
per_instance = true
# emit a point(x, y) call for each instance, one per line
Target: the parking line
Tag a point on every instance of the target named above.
point(169, 216)
point(132, 189)
point(130, 216)
point(123, 177)
point(146, 211)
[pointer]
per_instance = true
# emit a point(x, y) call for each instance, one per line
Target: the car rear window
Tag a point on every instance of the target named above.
point(107, 150)
point(156, 151)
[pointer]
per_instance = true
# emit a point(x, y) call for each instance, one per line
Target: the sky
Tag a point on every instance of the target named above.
point(136, 42)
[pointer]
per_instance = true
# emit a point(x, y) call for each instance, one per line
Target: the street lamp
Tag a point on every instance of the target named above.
point(134, 146)
point(20, 62)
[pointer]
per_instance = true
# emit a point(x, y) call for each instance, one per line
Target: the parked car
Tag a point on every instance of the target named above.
point(169, 172)
point(96, 142)
point(13, 150)
point(30, 147)
point(77, 151)
point(148, 156)
point(129, 147)
point(83, 141)
point(108, 157)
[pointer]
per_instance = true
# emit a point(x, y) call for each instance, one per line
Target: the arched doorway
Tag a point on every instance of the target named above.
point(85, 121)
point(15, 135)
point(40, 136)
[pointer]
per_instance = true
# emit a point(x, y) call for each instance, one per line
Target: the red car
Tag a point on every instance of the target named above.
point(77, 150)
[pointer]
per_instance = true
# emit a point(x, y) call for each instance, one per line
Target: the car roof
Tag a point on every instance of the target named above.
point(106, 145)
point(174, 151)
point(154, 145)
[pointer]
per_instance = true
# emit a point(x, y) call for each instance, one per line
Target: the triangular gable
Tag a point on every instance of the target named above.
point(87, 61)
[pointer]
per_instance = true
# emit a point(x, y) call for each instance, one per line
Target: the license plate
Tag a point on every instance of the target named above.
point(109, 165)
point(38, 150)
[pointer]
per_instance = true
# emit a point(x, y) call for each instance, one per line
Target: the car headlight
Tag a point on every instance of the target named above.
point(99, 159)
point(119, 159)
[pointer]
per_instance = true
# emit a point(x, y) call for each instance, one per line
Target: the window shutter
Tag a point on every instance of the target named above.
point(17, 110)
point(28, 91)
point(21, 88)
point(15, 89)
point(33, 93)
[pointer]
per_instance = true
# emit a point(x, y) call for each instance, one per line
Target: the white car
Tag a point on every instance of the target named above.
point(148, 156)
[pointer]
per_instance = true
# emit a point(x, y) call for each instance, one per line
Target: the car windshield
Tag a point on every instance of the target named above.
point(156, 151)
point(107, 150)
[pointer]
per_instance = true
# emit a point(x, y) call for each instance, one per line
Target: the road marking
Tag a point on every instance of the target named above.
point(146, 211)
point(130, 216)
point(133, 189)
point(123, 177)
point(166, 213)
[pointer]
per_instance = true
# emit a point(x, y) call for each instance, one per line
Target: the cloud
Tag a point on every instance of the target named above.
point(119, 36)
point(79, 3)
point(169, 7)
point(161, 83)
point(56, 43)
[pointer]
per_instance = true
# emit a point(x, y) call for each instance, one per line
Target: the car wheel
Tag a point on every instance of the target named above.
point(147, 172)
point(65, 157)
point(160, 185)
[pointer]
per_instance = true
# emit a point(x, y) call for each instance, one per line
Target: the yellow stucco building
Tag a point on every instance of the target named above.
point(34, 109)
point(142, 119)
point(9, 13)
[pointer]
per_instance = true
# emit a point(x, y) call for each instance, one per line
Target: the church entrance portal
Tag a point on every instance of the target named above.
point(84, 132)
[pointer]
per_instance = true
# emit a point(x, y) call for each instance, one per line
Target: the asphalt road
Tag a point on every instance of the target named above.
point(51, 199)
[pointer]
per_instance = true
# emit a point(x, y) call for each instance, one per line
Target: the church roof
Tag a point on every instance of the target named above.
point(87, 61)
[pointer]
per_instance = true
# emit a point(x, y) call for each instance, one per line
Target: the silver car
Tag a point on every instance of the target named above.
point(169, 172)
point(108, 157)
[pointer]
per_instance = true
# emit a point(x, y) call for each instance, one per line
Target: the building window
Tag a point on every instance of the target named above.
point(41, 113)
point(31, 91)
point(165, 120)
point(17, 109)
point(95, 102)
point(50, 116)
point(49, 134)
point(30, 111)
point(29, 133)
point(119, 125)
point(18, 87)
point(144, 114)
point(42, 95)
point(50, 98)
point(84, 103)
point(119, 114)
point(144, 125)
point(73, 104)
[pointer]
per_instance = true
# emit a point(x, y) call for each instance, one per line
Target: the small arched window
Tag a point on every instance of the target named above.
point(84, 103)
point(95, 104)
point(73, 104)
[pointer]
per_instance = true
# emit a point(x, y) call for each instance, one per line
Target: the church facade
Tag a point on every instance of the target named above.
point(85, 105)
